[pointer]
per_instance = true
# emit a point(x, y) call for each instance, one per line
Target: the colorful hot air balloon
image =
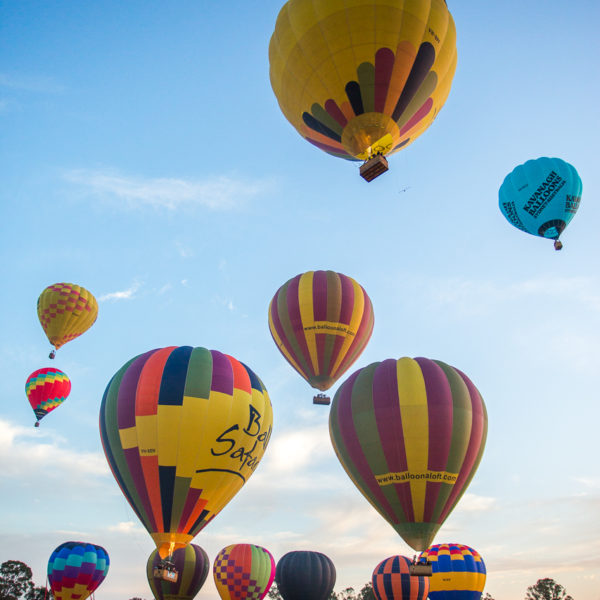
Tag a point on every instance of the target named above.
point(305, 575)
point(458, 572)
point(191, 564)
point(392, 581)
point(76, 569)
point(321, 321)
point(362, 78)
point(410, 433)
point(46, 389)
point(243, 572)
point(183, 429)
point(541, 197)
point(66, 311)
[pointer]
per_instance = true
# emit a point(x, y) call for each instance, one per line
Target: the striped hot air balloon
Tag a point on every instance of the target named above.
point(243, 572)
point(183, 429)
point(76, 569)
point(392, 581)
point(66, 311)
point(321, 321)
point(305, 575)
point(191, 564)
point(46, 390)
point(410, 433)
point(458, 572)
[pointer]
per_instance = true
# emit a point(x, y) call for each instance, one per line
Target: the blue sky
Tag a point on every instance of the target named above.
point(144, 156)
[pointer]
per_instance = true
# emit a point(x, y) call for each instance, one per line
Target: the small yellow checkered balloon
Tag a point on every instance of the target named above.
point(66, 311)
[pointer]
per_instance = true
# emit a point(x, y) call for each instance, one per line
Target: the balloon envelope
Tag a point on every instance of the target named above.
point(191, 564)
point(305, 575)
point(458, 572)
point(541, 196)
point(183, 429)
point(410, 433)
point(392, 581)
point(357, 78)
point(243, 572)
point(66, 311)
point(76, 569)
point(321, 321)
point(47, 389)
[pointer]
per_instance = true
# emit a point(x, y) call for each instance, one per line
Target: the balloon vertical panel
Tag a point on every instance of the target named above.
point(183, 429)
point(410, 433)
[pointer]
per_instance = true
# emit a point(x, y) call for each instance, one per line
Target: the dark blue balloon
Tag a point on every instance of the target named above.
point(305, 575)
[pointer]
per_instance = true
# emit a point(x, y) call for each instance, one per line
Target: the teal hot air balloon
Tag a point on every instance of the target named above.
point(541, 197)
point(191, 565)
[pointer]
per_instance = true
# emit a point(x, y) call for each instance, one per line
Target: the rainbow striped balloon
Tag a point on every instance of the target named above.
point(458, 572)
point(410, 433)
point(321, 321)
point(46, 390)
point(192, 566)
point(76, 569)
point(393, 581)
point(243, 572)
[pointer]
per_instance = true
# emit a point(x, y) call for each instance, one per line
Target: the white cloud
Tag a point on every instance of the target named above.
point(215, 193)
point(127, 527)
point(31, 453)
point(127, 294)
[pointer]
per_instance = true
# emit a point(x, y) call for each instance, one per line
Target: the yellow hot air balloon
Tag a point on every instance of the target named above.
point(66, 311)
point(183, 429)
point(362, 79)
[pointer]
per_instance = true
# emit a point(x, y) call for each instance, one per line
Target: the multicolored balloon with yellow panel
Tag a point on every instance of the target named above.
point(360, 78)
point(410, 433)
point(183, 429)
point(458, 572)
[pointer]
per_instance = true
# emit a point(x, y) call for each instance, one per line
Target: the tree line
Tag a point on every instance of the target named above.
point(16, 583)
